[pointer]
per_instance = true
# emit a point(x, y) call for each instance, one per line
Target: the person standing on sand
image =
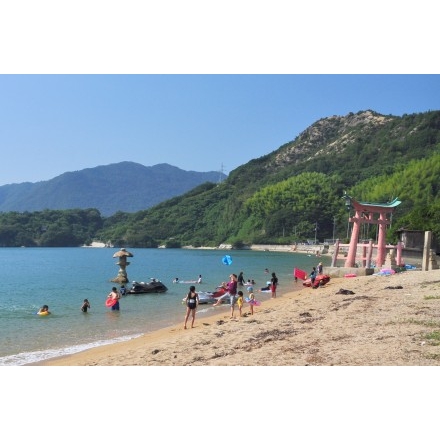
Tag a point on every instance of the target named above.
point(273, 285)
point(240, 302)
point(320, 268)
point(250, 289)
point(231, 291)
point(312, 276)
point(192, 302)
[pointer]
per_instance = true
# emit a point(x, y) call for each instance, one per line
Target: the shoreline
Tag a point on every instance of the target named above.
point(222, 313)
point(318, 250)
point(226, 247)
point(386, 320)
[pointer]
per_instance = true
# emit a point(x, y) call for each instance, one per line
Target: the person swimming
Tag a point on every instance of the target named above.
point(43, 310)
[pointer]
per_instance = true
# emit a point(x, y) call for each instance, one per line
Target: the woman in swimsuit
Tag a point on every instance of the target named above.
point(192, 301)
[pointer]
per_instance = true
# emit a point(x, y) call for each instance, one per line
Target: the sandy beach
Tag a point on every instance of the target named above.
point(351, 339)
point(363, 321)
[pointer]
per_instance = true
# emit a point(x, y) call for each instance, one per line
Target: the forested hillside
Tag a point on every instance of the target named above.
point(284, 196)
point(124, 186)
point(295, 192)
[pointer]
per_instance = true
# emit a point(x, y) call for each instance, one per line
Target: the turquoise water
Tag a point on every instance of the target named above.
point(63, 277)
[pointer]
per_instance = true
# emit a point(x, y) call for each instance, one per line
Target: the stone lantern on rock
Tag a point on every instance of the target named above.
point(122, 255)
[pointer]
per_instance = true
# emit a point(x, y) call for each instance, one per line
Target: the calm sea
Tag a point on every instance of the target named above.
point(63, 277)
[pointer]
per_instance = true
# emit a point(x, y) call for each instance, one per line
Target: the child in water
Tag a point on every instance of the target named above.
point(43, 310)
point(86, 305)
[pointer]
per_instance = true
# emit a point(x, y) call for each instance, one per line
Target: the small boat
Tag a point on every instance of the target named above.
point(320, 280)
point(153, 286)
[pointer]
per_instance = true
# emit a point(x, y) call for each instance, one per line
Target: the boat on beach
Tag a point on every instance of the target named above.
point(153, 286)
point(320, 280)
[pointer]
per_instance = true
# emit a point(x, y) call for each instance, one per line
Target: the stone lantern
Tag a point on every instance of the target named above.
point(122, 254)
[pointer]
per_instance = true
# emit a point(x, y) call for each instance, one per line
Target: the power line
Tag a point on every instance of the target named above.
point(222, 171)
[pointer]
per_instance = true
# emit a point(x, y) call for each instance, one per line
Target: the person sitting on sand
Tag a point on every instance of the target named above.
point(266, 288)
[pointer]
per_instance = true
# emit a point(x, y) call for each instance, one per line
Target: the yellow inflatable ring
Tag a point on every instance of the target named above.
point(43, 313)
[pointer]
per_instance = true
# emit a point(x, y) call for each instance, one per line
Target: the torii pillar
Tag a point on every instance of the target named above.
point(376, 214)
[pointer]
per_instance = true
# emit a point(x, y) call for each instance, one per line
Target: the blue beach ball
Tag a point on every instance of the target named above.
point(227, 260)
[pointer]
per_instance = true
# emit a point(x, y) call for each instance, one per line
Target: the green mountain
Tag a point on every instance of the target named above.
point(295, 192)
point(124, 186)
point(290, 195)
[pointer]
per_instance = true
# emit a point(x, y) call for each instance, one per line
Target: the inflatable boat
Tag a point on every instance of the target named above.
point(320, 280)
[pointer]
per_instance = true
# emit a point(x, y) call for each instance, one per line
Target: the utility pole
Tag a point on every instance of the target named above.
point(316, 230)
point(334, 226)
point(222, 170)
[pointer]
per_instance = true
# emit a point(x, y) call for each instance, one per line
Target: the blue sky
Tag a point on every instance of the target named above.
point(203, 86)
point(50, 124)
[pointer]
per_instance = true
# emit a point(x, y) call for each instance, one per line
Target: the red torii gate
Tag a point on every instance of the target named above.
point(371, 213)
